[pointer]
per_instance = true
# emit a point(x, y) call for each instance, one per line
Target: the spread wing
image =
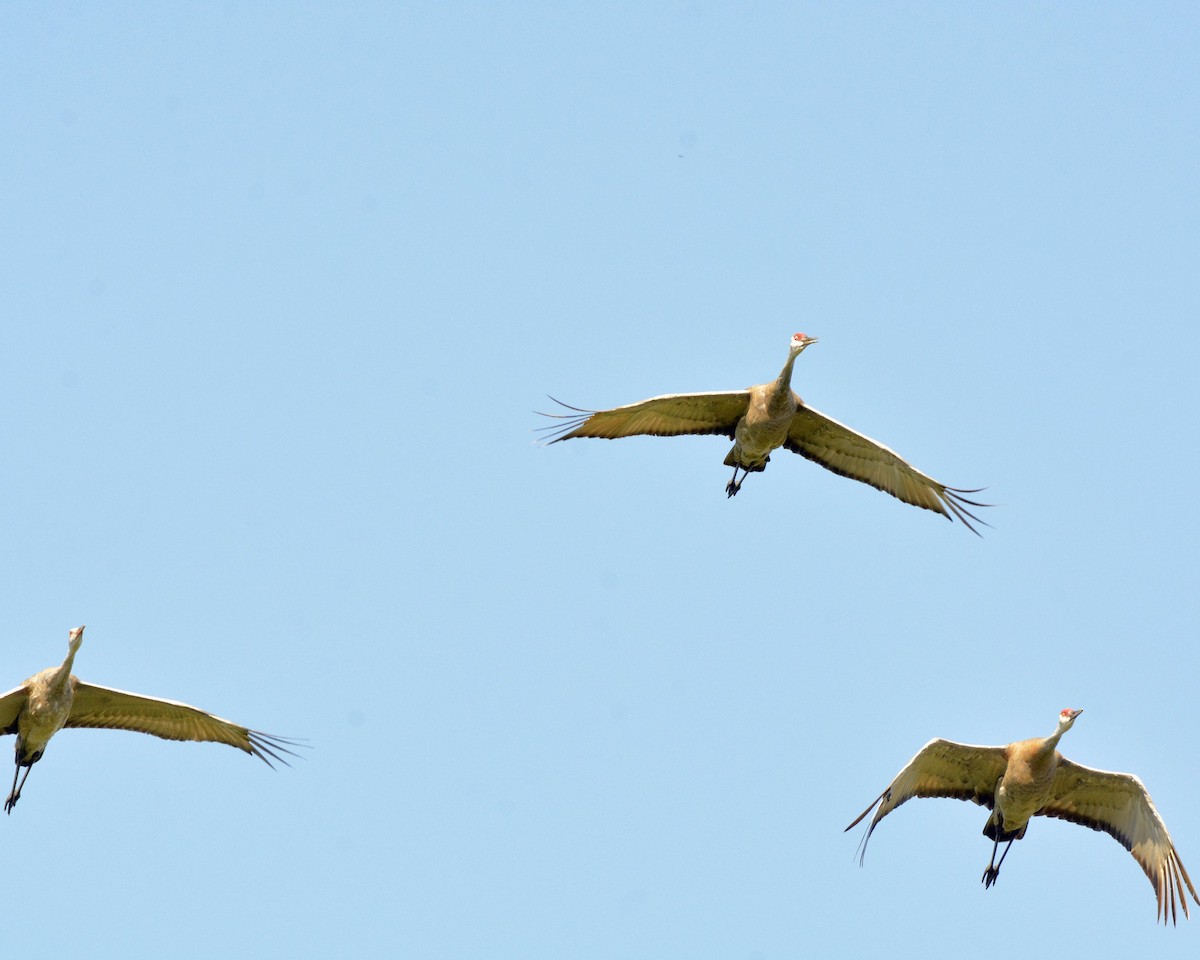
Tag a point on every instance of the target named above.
point(95, 706)
point(850, 454)
point(1119, 804)
point(671, 415)
point(10, 706)
point(941, 768)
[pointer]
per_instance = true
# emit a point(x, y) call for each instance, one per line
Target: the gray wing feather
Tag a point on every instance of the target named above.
point(670, 415)
point(107, 708)
point(941, 768)
point(10, 706)
point(849, 453)
point(1119, 805)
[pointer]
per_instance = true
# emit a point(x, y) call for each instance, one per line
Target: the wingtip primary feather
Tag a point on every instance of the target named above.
point(953, 498)
point(857, 820)
point(860, 852)
point(554, 432)
point(268, 745)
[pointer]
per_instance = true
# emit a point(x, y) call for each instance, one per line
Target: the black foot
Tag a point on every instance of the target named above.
point(10, 803)
point(732, 488)
point(989, 876)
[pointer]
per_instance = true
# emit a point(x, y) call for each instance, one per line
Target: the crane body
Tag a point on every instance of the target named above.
point(1031, 778)
point(54, 698)
point(762, 419)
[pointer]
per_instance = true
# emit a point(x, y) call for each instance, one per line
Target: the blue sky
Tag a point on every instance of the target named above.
point(283, 285)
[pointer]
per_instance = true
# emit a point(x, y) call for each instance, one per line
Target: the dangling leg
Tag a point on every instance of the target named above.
point(992, 872)
point(988, 876)
point(15, 795)
point(732, 487)
point(1002, 856)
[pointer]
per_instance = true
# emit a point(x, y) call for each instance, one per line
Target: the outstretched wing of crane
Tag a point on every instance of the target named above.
point(111, 709)
point(1119, 804)
point(671, 415)
point(10, 707)
point(848, 453)
point(941, 768)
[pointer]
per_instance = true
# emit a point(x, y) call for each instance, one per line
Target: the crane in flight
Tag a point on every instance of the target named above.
point(1031, 778)
point(761, 419)
point(54, 698)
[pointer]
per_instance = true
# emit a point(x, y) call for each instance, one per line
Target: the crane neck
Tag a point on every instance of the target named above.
point(63, 674)
point(1050, 744)
point(783, 383)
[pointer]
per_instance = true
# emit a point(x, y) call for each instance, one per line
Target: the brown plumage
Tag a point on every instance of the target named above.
point(1031, 778)
point(762, 419)
point(54, 698)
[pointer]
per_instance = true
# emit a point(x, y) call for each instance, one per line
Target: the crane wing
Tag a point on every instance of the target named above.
point(671, 415)
point(111, 709)
point(1120, 805)
point(848, 453)
point(941, 768)
point(10, 707)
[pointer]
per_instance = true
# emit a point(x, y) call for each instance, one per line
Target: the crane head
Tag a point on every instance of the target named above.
point(1067, 717)
point(75, 638)
point(801, 340)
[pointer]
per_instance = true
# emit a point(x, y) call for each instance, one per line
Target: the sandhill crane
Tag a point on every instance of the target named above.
point(1031, 778)
point(54, 698)
point(758, 421)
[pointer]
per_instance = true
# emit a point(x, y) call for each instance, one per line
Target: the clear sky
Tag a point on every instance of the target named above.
point(282, 287)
